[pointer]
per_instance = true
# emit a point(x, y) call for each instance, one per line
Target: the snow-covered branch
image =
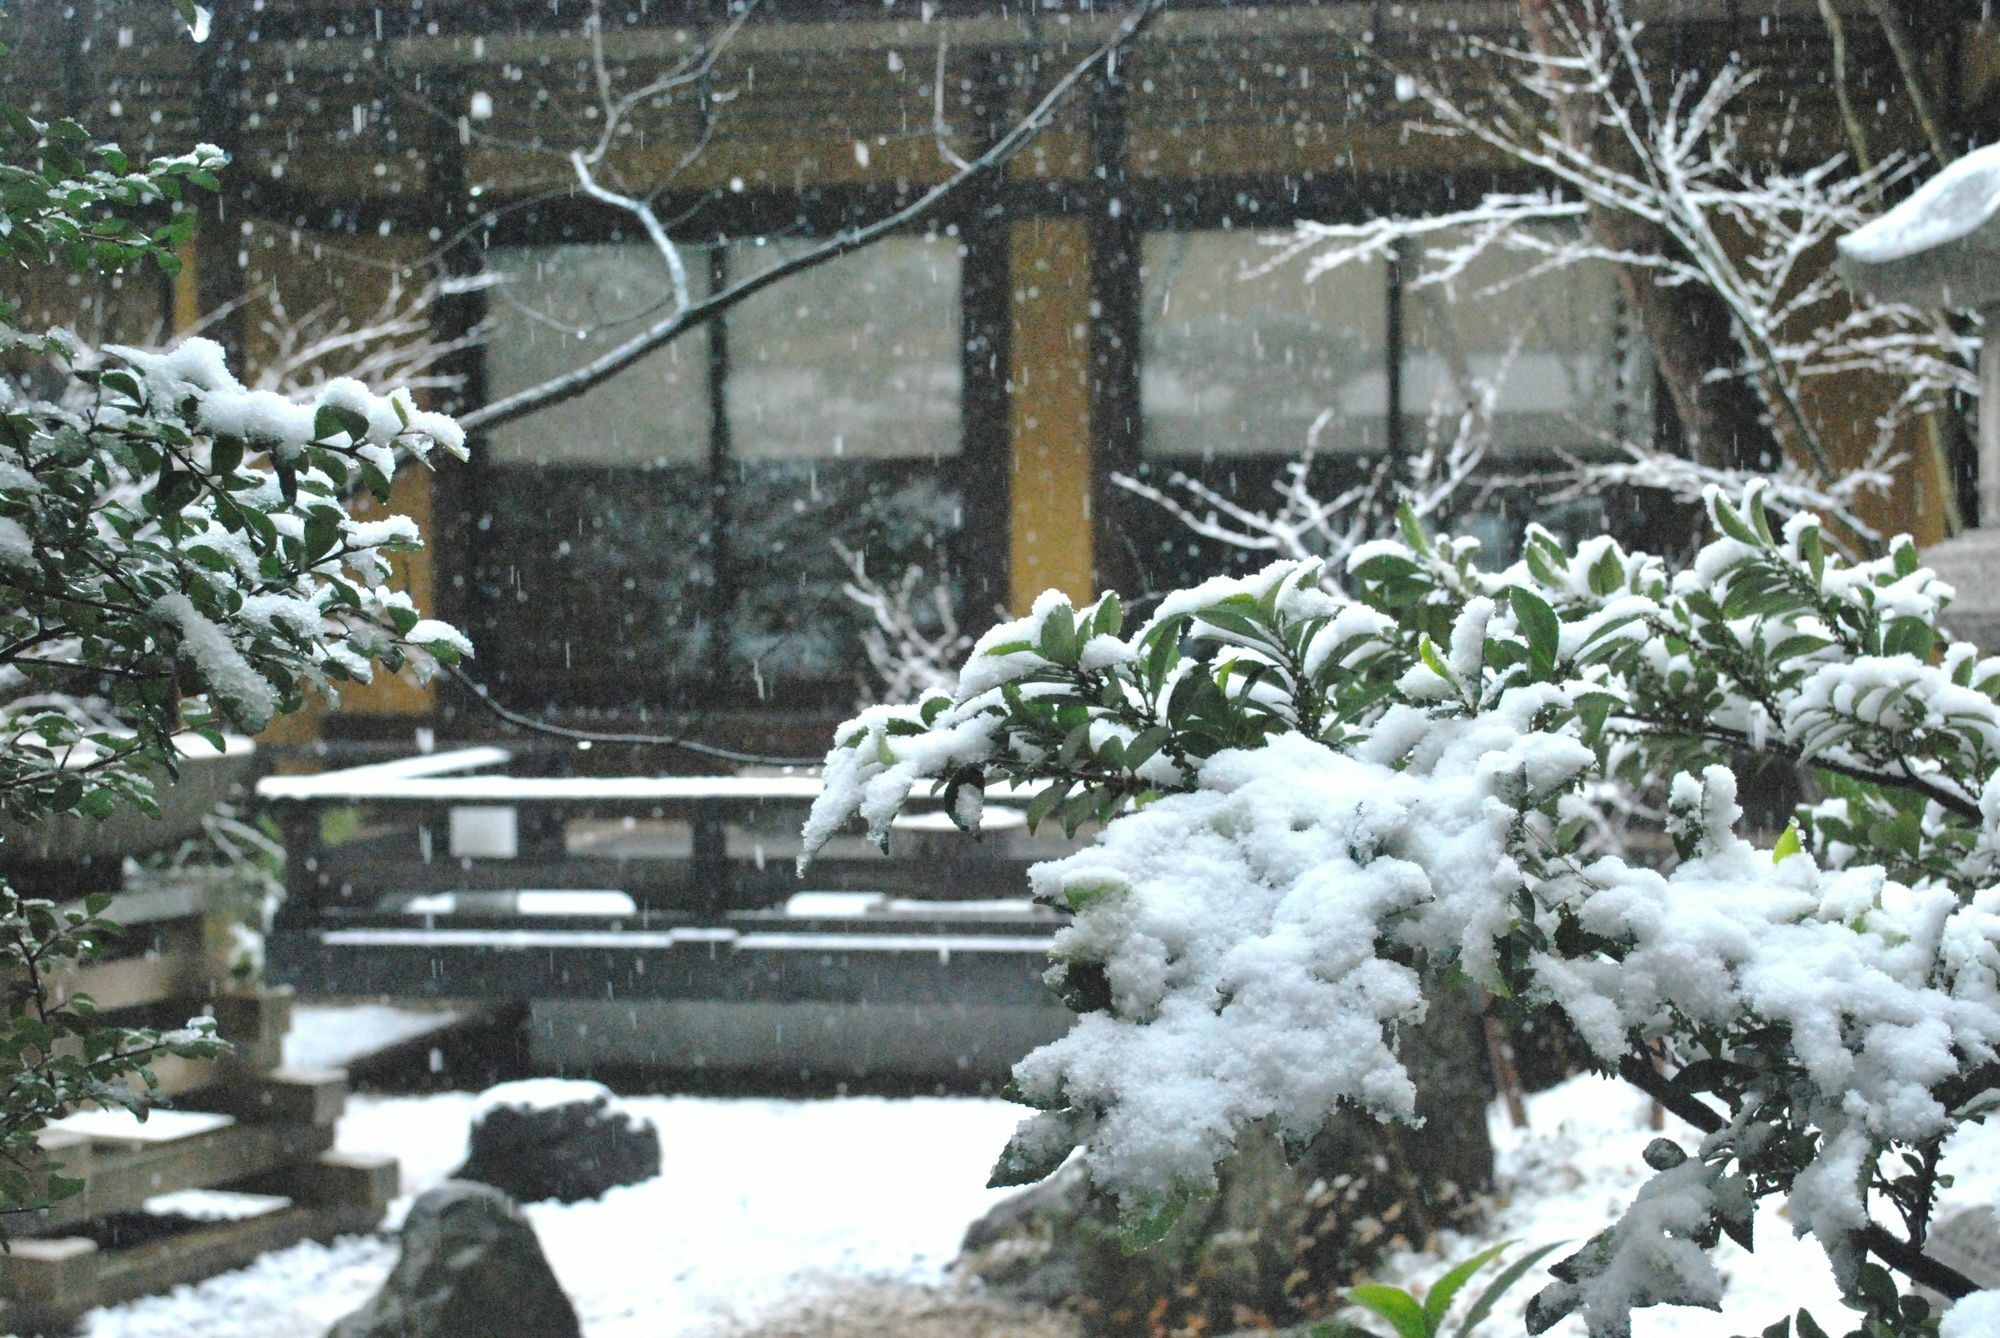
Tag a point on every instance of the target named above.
point(915, 644)
point(1666, 150)
point(1432, 483)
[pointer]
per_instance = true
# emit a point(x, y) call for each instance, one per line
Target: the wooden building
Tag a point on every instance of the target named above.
point(958, 396)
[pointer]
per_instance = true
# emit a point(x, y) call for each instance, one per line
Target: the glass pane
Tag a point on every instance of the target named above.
point(1236, 362)
point(844, 421)
point(596, 570)
point(858, 359)
point(595, 582)
point(1553, 347)
point(556, 309)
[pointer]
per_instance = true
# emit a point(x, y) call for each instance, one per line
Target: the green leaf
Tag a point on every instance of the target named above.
point(1732, 524)
point(1500, 1286)
point(1904, 551)
point(1413, 530)
point(1540, 626)
point(1110, 619)
point(1788, 845)
point(1814, 551)
point(1149, 1229)
point(1042, 804)
point(1540, 567)
point(331, 420)
point(1439, 1298)
point(1427, 651)
point(1144, 745)
point(1607, 574)
point(1395, 1305)
point(1057, 642)
point(321, 534)
point(1031, 1155)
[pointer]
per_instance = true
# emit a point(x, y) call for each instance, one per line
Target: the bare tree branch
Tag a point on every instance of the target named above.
point(988, 164)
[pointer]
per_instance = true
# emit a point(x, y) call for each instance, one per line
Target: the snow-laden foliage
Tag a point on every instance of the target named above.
point(180, 549)
point(175, 557)
point(1327, 794)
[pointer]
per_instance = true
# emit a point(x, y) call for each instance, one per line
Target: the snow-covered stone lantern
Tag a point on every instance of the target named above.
point(1941, 249)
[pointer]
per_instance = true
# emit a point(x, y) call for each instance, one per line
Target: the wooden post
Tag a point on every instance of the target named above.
point(708, 863)
point(298, 825)
point(1989, 421)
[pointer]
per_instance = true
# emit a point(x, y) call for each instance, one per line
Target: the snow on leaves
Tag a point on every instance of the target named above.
point(1326, 794)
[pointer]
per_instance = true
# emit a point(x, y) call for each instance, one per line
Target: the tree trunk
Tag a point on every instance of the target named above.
point(1690, 329)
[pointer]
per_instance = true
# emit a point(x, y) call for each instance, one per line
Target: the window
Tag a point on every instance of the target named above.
point(1551, 346)
point(673, 530)
point(1245, 363)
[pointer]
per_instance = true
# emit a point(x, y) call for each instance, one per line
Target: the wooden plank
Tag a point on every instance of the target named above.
point(50, 1283)
point(669, 883)
point(345, 783)
point(250, 1017)
point(121, 1129)
point(122, 1179)
point(688, 791)
point(333, 1180)
point(289, 1096)
point(56, 1273)
point(715, 965)
point(175, 961)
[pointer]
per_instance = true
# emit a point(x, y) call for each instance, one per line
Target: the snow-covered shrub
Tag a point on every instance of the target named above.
point(174, 557)
point(1328, 794)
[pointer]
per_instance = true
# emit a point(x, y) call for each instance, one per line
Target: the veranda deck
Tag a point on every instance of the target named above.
point(458, 880)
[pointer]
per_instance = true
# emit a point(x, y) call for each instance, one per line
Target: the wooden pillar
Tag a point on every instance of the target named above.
point(453, 496)
point(1989, 422)
point(218, 282)
point(1116, 420)
point(1049, 411)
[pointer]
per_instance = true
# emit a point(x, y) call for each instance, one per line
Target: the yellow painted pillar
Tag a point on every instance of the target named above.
point(187, 287)
point(1049, 413)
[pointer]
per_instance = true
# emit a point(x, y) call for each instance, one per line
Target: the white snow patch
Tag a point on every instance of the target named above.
point(1952, 205)
point(329, 1037)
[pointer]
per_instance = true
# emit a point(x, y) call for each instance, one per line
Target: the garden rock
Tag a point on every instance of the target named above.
point(469, 1257)
point(551, 1139)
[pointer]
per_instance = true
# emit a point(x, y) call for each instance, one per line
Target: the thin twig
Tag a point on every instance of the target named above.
point(988, 164)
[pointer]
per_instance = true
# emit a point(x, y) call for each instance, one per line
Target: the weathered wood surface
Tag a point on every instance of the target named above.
point(48, 1283)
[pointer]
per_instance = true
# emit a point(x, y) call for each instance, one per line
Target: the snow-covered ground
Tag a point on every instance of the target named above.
point(761, 1201)
point(756, 1199)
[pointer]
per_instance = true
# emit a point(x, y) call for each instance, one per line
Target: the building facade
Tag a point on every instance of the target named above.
point(958, 398)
